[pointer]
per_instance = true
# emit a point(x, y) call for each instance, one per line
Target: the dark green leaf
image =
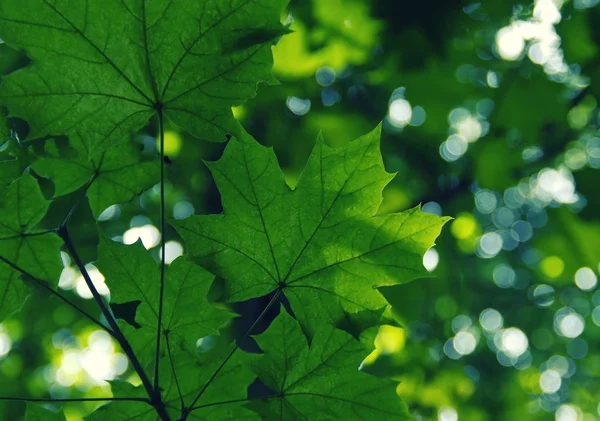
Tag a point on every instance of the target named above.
point(101, 69)
point(132, 275)
point(35, 412)
point(22, 206)
point(115, 177)
point(322, 382)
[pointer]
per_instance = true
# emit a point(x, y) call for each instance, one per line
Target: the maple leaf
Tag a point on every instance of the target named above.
point(100, 70)
point(184, 373)
point(320, 382)
point(116, 176)
point(133, 275)
point(321, 244)
point(22, 206)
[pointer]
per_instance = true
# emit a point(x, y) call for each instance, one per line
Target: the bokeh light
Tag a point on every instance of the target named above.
point(513, 341)
point(491, 320)
point(431, 259)
point(568, 323)
point(447, 413)
point(586, 279)
point(400, 112)
point(149, 234)
point(550, 381)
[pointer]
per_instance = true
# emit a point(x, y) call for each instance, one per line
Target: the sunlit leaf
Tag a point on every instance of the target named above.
point(320, 243)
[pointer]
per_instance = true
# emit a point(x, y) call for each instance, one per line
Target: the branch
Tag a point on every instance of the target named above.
point(235, 348)
point(125, 345)
point(47, 287)
point(10, 398)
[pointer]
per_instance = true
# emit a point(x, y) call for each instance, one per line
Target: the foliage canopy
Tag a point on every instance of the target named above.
point(486, 111)
point(100, 72)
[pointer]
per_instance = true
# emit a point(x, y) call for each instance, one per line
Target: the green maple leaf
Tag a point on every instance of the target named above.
point(224, 396)
point(101, 69)
point(132, 274)
point(116, 176)
point(321, 382)
point(184, 373)
point(320, 243)
point(22, 206)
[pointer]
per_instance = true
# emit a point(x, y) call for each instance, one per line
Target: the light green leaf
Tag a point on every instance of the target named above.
point(100, 70)
point(320, 243)
point(323, 382)
point(115, 177)
point(22, 206)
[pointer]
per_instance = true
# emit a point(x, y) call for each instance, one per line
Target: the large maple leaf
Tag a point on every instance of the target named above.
point(321, 243)
point(101, 69)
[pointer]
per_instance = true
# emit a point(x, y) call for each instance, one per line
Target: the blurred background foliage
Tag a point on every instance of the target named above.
point(490, 115)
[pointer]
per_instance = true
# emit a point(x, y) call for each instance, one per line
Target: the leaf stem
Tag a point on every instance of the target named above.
point(235, 348)
point(118, 335)
point(47, 287)
point(162, 246)
point(86, 187)
point(174, 372)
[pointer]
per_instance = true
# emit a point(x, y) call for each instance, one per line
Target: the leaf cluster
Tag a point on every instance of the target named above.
point(101, 71)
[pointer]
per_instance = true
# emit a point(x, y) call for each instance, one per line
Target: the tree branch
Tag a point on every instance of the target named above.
point(118, 335)
point(18, 399)
point(47, 287)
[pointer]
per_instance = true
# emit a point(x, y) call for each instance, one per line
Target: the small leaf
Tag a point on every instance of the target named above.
point(116, 176)
point(125, 410)
point(22, 206)
point(132, 274)
point(323, 381)
point(223, 400)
